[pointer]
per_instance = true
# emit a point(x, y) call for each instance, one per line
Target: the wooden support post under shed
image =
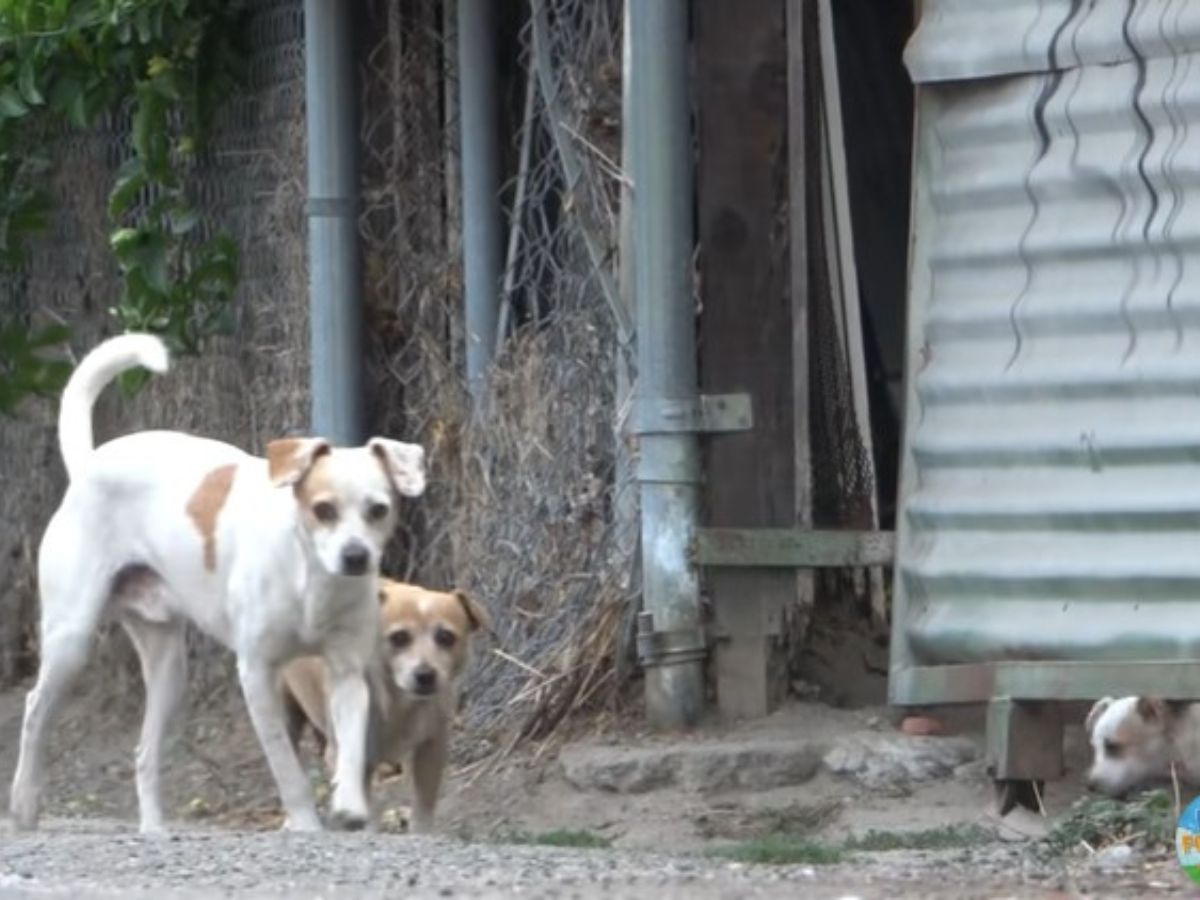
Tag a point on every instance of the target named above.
point(746, 331)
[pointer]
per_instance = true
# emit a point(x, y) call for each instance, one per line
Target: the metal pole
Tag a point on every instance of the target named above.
point(481, 219)
point(335, 289)
point(671, 641)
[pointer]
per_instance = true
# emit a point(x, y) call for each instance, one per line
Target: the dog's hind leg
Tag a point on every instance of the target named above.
point(72, 605)
point(162, 649)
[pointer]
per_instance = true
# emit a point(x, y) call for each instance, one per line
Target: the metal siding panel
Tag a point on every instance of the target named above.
point(1051, 470)
point(964, 39)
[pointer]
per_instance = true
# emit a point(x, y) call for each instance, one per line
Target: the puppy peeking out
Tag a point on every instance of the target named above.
point(416, 682)
point(1136, 740)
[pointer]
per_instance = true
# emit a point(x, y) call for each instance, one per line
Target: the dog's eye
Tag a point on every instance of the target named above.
point(324, 511)
point(1113, 749)
point(399, 639)
point(445, 638)
point(377, 512)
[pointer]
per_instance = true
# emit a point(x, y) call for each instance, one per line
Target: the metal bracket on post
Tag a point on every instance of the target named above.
point(707, 414)
point(667, 648)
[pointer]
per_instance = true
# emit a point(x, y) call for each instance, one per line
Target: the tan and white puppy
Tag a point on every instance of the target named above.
point(1136, 741)
point(275, 558)
point(427, 639)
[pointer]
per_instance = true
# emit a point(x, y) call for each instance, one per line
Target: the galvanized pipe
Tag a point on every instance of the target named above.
point(481, 218)
point(335, 289)
point(668, 467)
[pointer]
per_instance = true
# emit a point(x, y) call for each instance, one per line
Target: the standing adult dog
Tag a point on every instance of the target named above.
point(275, 558)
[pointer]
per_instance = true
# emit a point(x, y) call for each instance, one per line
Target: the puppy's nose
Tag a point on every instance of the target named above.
point(425, 680)
point(355, 558)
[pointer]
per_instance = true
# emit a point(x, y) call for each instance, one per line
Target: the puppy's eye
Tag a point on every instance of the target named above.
point(400, 638)
point(1113, 749)
point(324, 511)
point(377, 512)
point(445, 638)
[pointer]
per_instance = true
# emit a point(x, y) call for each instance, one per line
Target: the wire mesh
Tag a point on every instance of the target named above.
point(519, 509)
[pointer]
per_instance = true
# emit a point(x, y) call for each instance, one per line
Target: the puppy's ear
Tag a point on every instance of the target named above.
point(289, 459)
point(1152, 709)
point(385, 584)
point(1095, 713)
point(476, 614)
point(403, 463)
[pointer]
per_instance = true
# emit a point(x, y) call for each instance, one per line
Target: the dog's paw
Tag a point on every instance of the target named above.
point(24, 816)
point(347, 821)
point(396, 819)
point(304, 824)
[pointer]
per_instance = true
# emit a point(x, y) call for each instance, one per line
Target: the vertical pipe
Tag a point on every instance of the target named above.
point(335, 289)
point(668, 468)
point(481, 218)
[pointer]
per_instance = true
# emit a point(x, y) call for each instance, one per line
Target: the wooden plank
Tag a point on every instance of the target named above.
point(746, 328)
point(793, 548)
point(849, 303)
point(798, 124)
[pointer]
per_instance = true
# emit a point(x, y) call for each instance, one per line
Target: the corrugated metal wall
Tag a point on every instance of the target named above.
point(1051, 472)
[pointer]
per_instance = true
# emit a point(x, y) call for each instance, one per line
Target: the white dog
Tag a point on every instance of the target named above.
point(275, 558)
point(1137, 740)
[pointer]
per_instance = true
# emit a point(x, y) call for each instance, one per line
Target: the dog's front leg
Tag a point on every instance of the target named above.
point(428, 764)
point(266, 712)
point(350, 703)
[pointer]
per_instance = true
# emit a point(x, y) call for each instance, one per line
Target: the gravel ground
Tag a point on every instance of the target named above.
point(95, 859)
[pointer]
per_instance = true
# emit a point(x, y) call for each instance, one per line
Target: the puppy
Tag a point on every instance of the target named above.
point(1136, 741)
point(420, 665)
point(275, 558)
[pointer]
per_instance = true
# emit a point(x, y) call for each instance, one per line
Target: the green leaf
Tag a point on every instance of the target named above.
point(183, 220)
point(131, 178)
point(11, 104)
point(27, 83)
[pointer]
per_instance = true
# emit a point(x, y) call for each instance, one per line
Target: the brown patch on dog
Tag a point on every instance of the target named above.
point(205, 506)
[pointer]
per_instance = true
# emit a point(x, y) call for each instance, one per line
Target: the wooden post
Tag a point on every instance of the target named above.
point(746, 330)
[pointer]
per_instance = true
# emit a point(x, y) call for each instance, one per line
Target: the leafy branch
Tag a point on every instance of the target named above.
point(168, 64)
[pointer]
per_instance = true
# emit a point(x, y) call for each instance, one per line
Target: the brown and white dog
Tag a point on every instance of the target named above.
point(1137, 740)
point(427, 638)
point(275, 558)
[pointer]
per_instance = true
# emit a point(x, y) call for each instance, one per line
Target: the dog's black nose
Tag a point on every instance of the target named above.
point(425, 680)
point(355, 558)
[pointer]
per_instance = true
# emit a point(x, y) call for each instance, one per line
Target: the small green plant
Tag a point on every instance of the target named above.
point(168, 64)
point(949, 837)
point(784, 848)
point(781, 850)
point(1146, 821)
point(562, 837)
point(24, 370)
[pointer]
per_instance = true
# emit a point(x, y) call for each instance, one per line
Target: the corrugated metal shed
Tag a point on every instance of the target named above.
point(1051, 473)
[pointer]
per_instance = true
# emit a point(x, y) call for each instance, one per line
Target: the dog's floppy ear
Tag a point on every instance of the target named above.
point(404, 464)
point(476, 614)
point(1152, 709)
point(386, 585)
point(1096, 712)
point(289, 459)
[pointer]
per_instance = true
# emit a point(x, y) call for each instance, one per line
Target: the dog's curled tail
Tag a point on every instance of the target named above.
point(91, 376)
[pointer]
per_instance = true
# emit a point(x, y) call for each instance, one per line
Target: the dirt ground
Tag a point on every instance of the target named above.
point(660, 841)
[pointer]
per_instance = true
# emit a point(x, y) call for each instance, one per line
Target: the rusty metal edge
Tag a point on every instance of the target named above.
point(1063, 681)
point(792, 548)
